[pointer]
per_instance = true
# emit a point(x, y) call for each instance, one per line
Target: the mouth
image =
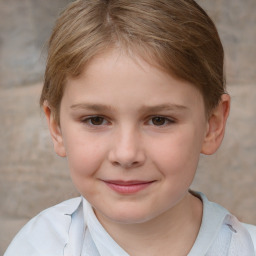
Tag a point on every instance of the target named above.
point(128, 187)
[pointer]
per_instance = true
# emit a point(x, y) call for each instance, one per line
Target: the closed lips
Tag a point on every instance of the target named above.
point(128, 187)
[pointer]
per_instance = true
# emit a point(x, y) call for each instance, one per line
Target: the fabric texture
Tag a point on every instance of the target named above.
point(72, 229)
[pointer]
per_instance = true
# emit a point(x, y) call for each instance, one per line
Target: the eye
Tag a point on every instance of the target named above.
point(95, 121)
point(160, 121)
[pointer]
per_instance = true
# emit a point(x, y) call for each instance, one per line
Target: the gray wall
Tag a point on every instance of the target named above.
point(32, 177)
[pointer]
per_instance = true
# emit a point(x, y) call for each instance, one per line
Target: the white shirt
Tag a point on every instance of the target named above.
point(72, 229)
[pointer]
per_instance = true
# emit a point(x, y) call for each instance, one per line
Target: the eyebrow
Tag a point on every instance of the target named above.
point(88, 106)
point(164, 107)
point(144, 108)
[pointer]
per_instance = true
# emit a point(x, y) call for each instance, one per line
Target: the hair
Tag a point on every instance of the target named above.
point(176, 35)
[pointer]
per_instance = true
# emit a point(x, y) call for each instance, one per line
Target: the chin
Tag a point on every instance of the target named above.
point(130, 216)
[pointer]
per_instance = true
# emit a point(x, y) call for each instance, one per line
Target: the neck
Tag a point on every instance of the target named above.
point(172, 233)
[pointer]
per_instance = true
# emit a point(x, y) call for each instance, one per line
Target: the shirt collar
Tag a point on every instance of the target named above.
point(212, 221)
point(108, 247)
point(103, 241)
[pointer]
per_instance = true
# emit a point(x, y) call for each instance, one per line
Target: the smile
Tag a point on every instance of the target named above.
point(127, 187)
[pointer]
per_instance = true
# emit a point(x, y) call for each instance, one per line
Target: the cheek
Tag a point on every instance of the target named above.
point(84, 162)
point(84, 154)
point(178, 154)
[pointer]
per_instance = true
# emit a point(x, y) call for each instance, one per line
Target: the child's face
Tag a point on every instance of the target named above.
point(132, 135)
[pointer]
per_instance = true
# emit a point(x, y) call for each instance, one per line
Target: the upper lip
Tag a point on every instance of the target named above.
point(128, 182)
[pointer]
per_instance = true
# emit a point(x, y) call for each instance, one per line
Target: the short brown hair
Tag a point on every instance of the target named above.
point(177, 35)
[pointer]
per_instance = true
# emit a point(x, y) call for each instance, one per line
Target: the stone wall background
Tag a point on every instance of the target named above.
point(33, 178)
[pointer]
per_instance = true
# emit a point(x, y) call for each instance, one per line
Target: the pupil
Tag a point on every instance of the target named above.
point(158, 121)
point(97, 120)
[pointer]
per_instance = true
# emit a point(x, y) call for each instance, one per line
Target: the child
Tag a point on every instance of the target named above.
point(134, 91)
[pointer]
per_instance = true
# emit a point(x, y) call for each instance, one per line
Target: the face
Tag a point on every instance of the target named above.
point(132, 135)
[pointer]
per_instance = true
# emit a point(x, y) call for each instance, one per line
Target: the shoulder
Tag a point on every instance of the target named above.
point(252, 231)
point(47, 233)
point(221, 230)
point(67, 207)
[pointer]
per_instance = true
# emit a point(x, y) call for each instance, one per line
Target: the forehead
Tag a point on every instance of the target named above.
point(117, 79)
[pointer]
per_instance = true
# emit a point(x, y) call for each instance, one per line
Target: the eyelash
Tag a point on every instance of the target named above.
point(167, 121)
point(88, 121)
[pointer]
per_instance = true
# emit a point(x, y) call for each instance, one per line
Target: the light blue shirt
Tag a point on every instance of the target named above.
point(72, 229)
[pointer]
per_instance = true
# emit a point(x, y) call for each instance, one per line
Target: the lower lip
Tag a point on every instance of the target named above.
point(128, 189)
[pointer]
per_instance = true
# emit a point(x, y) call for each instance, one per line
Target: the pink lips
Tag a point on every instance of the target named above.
point(127, 187)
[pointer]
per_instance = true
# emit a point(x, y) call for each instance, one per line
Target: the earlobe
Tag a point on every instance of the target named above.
point(55, 131)
point(216, 126)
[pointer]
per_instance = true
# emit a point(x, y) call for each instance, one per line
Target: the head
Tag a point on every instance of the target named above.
point(133, 93)
point(176, 36)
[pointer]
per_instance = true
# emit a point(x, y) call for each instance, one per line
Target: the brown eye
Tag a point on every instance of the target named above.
point(96, 120)
point(158, 121)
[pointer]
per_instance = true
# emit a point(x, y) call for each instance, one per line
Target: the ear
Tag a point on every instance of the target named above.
point(216, 126)
point(55, 131)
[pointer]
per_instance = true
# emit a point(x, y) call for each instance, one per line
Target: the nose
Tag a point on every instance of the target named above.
point(127, 149)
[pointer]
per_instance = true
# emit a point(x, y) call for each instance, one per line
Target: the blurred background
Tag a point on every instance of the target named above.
point(33, 178)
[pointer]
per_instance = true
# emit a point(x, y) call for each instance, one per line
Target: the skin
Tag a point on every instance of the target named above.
point(124, 122)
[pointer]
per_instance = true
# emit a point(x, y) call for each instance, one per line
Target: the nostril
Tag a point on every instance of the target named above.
point(126, 165)
point(126, 157)
point(115, 163)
